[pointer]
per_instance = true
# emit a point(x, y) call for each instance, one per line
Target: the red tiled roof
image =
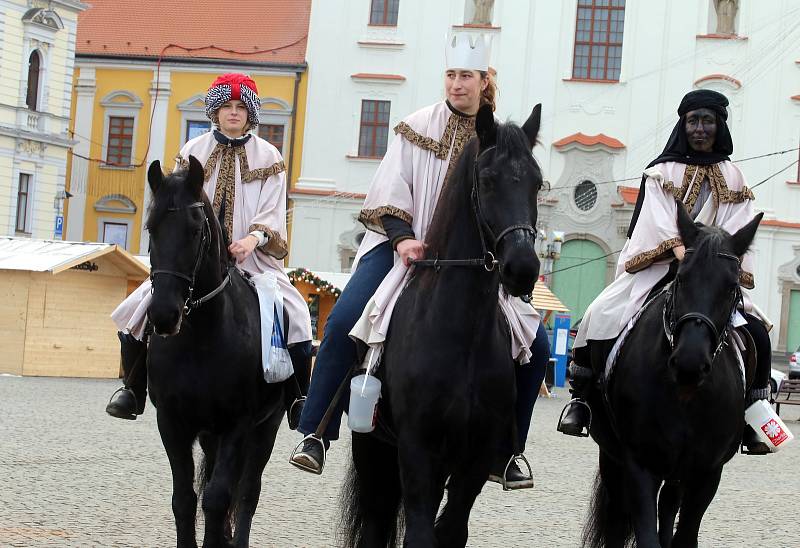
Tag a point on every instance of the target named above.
point(781, 224)
point(628, 194)
point(589, 140)
point(736, 83)
point(145, 27)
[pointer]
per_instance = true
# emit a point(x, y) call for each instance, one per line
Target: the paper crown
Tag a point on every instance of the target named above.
point(467, 51)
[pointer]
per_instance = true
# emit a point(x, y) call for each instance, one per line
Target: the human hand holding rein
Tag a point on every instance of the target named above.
point(410, 250)
point(241, 249)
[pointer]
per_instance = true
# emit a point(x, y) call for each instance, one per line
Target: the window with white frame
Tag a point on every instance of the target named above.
point(274, 134)
point(119, 132)
point(115, 233)
point(374, 131)
point(23, 223)
point(34, 76)
point(195, 128)
point(384, 12)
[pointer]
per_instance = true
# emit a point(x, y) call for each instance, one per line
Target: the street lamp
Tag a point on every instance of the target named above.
point(550, 253)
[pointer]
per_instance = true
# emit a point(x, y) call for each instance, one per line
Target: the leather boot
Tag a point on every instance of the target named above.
point(576, 417)
point(750, 440)
point(296, 386)
point(128, 402)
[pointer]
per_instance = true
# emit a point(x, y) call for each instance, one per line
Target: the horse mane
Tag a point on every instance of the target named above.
point(511, 142)
point(710, 242)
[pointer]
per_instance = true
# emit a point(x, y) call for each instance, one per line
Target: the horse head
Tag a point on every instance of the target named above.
point(704, 295)
point(506, 183)
point(182, 242)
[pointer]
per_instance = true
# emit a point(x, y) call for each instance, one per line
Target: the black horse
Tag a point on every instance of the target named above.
point(671, 414)
point(205, 375)
point(448, 375)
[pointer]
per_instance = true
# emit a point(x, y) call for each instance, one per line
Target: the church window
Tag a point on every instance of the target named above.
point(598, 40)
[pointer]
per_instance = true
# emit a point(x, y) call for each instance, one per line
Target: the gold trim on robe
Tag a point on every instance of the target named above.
point(275, 245)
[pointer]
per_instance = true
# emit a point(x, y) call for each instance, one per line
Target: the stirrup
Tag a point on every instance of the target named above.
point(310, 437)
point(515, 458)
point(297, 401)
point(580, 401)
point(133, 415)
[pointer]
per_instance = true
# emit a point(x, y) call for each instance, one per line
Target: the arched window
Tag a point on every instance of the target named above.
point(34, 68)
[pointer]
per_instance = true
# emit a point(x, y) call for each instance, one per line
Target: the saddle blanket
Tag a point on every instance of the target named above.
point(737, 320)
point(275, 358)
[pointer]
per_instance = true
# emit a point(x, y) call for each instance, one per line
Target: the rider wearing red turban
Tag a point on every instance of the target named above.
point(245, 179)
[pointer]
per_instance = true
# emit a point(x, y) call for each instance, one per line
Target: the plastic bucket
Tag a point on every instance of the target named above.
point(364, 393)
point(768, 425)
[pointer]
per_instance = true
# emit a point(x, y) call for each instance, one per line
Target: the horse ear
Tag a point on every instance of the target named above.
point(485, 126)
point(532, 124)
point(741, 240)
point(155, 176)
point(686, 227)
point(196, 175)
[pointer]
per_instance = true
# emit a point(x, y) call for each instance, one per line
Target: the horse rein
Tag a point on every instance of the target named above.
point(205, 243)
point(671, 324)
point(488, 260)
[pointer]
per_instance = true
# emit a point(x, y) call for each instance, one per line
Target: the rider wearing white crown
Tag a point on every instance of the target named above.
point(246, 181)
point(397, 213)
point(696, 170)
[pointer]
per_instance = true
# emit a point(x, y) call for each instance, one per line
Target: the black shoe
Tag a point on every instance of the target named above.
point(753, 443)
point(125, 405)
point(311, 457)
point(576, 418)
point(515, 478)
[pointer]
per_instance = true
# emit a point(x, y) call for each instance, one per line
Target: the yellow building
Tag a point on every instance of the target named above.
point(37, 45)
point(139, 91)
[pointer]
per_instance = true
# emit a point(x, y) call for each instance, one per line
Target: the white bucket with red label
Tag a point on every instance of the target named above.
point(768, 425)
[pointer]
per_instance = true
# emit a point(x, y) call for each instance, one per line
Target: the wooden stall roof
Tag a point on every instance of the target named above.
point(544, 299)
point(56, 256)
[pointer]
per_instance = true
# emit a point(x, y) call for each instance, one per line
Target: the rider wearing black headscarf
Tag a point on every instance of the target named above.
point(678, 149)
point(706, 163)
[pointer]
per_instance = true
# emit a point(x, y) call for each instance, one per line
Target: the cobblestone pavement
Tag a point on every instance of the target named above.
point(72, 476)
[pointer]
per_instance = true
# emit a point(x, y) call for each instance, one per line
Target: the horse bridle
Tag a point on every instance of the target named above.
point(488, 259)
point(671, 324)
point(205, 244)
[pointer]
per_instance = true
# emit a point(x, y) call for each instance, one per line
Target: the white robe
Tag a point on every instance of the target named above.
point(407, 184)
point(256, 201)
point(645, 258)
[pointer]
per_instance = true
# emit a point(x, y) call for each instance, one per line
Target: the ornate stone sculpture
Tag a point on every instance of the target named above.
point(483, 12)
point(726, 16)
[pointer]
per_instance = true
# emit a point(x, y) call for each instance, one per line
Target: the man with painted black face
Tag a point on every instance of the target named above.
point(712, 190)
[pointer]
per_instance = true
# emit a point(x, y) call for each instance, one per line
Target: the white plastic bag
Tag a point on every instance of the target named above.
point(275, 358)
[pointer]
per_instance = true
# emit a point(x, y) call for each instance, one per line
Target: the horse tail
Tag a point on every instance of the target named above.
point(608, 524)
point(371, 513)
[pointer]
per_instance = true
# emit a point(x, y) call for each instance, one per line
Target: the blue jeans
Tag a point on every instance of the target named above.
point(337, 353)
point(529, 378)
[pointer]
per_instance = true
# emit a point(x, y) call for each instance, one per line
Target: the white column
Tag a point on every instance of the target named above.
point(160, 90)
point(84, 110)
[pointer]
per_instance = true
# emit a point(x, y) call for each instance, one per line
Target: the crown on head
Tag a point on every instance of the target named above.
point(467, 51)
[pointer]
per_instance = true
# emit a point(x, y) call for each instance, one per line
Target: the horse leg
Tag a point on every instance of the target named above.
point(219, 492)
point(178, 445)
point(669, 500)
point(258, 450)
point(698, 494)
point(452, 527)
point(372, 494)
point(422, 479)
point(642, 491)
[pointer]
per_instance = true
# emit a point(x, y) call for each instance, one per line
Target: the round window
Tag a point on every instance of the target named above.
point(586, 195)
